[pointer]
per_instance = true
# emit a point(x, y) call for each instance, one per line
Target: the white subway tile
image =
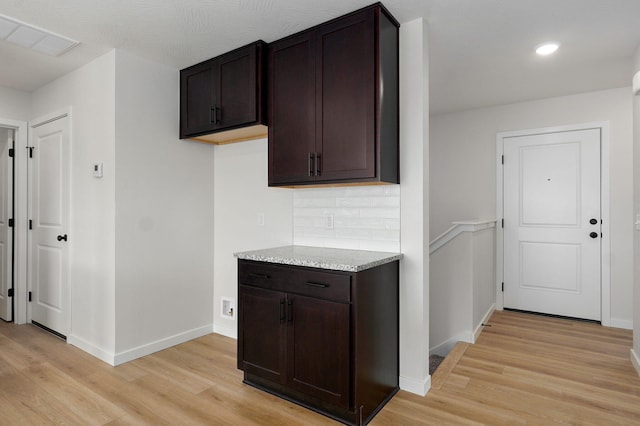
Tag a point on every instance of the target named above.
point(385, 202)
point(388, 246)
point(354, 202)
point(392, 224)
point(366, 217)
point(392, 190)
point(388, 213)
point(384, 235)
point(365, 191)
point(346, 244)
point(360, 222)
point(354, 234)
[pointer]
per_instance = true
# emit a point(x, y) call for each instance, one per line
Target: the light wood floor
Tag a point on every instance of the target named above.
point(523, 370)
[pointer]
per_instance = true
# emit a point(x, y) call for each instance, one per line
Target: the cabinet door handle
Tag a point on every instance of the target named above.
point(282, 316)
point(289, 310)
point(213, 115)
point(263, 276)
point(310, 165)
point(314, 284)
point(317, 164)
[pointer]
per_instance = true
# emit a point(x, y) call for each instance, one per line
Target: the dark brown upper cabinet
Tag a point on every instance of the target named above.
point(333, 102)
point(222, 99)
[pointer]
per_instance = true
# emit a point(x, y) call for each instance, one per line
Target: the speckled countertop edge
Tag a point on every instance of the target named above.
point(320, 257)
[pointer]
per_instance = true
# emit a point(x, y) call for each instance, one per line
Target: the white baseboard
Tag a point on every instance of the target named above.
point(485, 319)
point(445, 347)
point(226, 331)
point(158, 345)
point(415, 386)
point(90, 348)
point(620, 323)
point(635, 360)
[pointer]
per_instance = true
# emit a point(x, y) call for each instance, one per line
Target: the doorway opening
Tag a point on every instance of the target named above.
point(7, 214)
point(541, 250)
point(14, 206)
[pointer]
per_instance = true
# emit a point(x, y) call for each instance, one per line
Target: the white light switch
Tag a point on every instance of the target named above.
point(97, 170)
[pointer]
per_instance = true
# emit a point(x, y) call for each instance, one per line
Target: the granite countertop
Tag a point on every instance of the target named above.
point(321, 257)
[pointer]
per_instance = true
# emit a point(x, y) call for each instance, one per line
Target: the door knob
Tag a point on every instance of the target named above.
point(64, 237)
point(593, 235)
point(593, 221)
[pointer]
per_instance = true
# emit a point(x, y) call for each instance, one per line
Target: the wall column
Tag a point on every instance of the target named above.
point(414, 207)
point(635, 351)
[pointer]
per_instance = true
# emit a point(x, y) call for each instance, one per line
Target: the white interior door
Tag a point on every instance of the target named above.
point(6, 232)
point(49, 214)
point(552, 223)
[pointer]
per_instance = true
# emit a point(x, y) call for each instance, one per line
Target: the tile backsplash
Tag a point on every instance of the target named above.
point(358, 217)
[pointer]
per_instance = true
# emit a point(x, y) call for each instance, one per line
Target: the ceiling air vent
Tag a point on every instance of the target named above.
point(34, 38)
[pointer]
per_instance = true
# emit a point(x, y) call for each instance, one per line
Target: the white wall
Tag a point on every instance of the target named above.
point(241, 194)
point(463, 168)
point(164, 214)
point(451, 294)
point(414, 207)
point(461, 285)
point(90, 92)
point(484, 295)
point(635, 354)
point(14, 104)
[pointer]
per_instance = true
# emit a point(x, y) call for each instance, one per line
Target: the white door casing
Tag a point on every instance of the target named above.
point(49, 185)
point(552, 251)
point(6, 232)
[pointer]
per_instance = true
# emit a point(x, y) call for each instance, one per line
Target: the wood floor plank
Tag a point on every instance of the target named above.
point(524, 369)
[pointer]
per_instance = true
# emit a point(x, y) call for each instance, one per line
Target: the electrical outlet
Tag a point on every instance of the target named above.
point(228, 308)
point(329, 222)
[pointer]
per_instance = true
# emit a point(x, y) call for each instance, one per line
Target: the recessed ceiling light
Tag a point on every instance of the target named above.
point(547, 49)
point(34, 38)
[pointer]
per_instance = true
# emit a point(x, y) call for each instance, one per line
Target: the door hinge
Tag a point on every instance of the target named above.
point(503, 287)
point(11, 223)
point(503, 159)
point(502, 223)
point(30, 148)
point(30, 224)
point(29, 296)
point(11, 152)
point(10, 292)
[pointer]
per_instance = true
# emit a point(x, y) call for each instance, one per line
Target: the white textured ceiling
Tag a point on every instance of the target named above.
point(481, 51)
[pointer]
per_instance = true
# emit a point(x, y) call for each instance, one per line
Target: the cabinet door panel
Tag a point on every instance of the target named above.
point(237, 88)
point(196, 99)
point(345, 103)
point(291, 109)
point(318, 349)
point(261, 340)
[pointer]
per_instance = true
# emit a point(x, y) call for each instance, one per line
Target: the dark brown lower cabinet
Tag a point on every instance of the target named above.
point(326, 340)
